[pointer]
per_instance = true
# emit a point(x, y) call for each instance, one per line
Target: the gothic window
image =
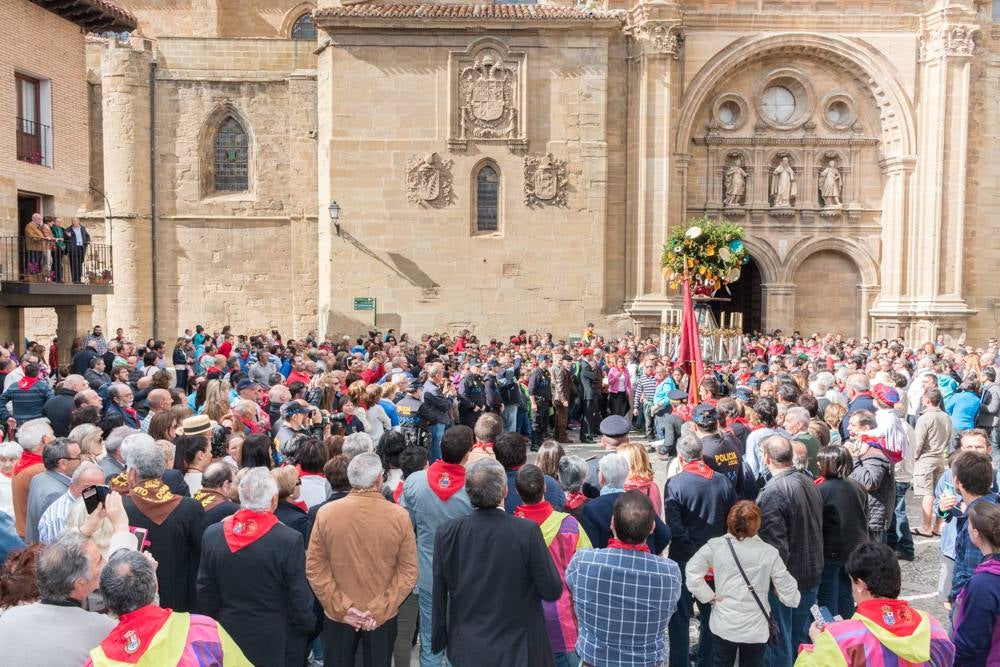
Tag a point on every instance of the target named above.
point(304, 28)
point(487, 199)
point(231, 158)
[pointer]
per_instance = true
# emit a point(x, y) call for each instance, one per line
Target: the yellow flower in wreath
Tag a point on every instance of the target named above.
point(673, 284)
point(710, 250)
point(701, 270)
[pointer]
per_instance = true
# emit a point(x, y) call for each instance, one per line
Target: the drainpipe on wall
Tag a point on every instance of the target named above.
point(152, 191)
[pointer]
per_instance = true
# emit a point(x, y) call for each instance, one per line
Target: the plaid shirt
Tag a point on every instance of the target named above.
point(102, 343)
point(967, 555)
point(623, 601)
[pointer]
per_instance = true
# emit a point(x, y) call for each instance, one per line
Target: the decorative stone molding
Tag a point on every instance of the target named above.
point(488, 94)
point(657, 37)
point(428, 180)
point(949, 41)
point(545, 180)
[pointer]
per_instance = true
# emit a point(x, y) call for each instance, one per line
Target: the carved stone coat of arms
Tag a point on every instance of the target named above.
point(545, 180)
point(428, 180)
point(487, 90)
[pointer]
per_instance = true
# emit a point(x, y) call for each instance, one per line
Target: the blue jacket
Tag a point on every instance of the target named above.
point(963, 406)
point(553, 494)
point(27, 403)
point(113, 409)
point(596, 520)
point(696, 510)
point(860, 402)
point(977, 617)
point(967, 554)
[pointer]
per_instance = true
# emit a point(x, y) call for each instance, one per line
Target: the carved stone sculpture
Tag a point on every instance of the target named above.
point(545, 180)
point(783, 187)
point(830, 184)
point(487, 89)
point(428, 180)
point(734, 183)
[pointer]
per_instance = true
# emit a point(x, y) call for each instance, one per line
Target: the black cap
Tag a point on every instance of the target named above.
point(704, 415)
point(614, 426)
point(677, 395)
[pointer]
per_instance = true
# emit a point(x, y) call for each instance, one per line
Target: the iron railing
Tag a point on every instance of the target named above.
point(34, 142)
point(32, 260)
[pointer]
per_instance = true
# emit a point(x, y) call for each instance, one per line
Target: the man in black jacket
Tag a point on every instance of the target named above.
point(491, 573)
point(540, 393)
point(590, 392)
point(792, 522)
point(252, 576)
point(59, 408)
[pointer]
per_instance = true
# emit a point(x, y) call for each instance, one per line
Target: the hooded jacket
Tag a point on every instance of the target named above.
point(977, 617)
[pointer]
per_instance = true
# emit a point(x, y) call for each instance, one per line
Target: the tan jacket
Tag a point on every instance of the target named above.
point(562, 386)
point(35, 237)
point(362, 554)
point(933, 434)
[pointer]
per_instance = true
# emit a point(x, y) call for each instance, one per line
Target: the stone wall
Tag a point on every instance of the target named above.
point(389, 100)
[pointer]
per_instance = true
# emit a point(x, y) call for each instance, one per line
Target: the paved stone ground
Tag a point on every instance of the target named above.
point(920, 577)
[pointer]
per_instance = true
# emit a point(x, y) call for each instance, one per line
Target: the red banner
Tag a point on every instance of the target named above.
point(689, 352)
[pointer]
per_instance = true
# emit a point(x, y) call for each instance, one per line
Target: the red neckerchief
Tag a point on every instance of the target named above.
point(698, 468)
point(348, 419)
point(398, 492)
point(445, 479)
point(254, 427)
point(740, 420)
point(637, 484)
point(537, 512)
point(131, 413)
point(615, 543)
point(896, 616)
point(246, 527)
point(484, 446)
point(574, 499)
point(27, 459)
point(134, 634)
point(301, 504)
point(26, 383)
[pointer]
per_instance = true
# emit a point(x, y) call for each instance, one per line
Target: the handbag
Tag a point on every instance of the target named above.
point(773, 632)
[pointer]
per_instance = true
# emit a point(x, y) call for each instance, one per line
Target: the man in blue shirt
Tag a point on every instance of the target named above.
point(624, 595)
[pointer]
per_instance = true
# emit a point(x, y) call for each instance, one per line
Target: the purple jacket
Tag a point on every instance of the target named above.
point(977, 617)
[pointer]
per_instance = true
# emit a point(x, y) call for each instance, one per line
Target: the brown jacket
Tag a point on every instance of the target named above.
point(562, 386)
point(933, 433)
point(362, 554)
point(19, 487)
point(35, 237)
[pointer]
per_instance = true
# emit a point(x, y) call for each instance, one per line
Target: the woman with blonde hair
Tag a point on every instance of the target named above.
point(88, 436)
point(640, 474)
point(548, 457)
point(834, 414)
point(290, 510)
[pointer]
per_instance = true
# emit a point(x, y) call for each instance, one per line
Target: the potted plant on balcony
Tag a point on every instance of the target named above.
point(34, 273)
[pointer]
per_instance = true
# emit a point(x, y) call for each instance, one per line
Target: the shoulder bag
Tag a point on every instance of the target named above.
point(774, 634)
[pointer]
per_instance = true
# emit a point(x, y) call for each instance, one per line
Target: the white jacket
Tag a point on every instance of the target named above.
point(735, 615)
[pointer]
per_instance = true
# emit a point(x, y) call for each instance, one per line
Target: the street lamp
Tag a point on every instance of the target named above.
point(335, 215)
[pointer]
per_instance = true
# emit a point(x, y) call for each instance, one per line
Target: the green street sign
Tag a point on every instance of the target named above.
point(364, 303)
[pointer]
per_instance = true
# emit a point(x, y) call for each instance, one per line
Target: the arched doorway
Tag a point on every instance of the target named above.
point(746, 297)
point(826, 294)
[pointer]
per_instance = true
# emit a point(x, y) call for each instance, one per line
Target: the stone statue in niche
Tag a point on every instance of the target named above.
point(734, 184)
point(783, 187)
point(428, 180)
point(830, 184)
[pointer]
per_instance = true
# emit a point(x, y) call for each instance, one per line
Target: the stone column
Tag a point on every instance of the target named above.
point(657, 41)
point(12, 325)
point(125, 86)
point(72, 321)
point(778, 306)
point(325, 166)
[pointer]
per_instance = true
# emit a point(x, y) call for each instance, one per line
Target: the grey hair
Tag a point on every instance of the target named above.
point(689, 448)
point(143, 456)
point(117, 437)
point(800, 455)
point(486, 483)
point(435, 369)
point(32, 432)
point(357, 443)
point(82, 469)
point(128, 582)
point(834, 397)
point(61, 564)
point(858, 382)
point(614, 468)
point(246, 408)
point(572, 472)
point(54, 452)
point(257, 489)
point(115, 390)
point(11, 450)
point(798, 415)
point(217, 474)
point(363, 470)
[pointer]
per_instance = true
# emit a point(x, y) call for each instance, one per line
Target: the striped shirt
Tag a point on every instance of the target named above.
point(645, 388)
point(54, 518)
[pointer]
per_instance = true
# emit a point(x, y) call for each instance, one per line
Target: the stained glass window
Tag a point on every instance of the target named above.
point(231, 163)
point(304, 28)
point(487, 199)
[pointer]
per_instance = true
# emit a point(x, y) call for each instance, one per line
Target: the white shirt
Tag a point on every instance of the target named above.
point(193, 479)
point(54, 518)
point(77, 234)
point(6, 499)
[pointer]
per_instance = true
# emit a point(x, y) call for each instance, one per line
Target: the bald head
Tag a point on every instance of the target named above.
point(159, 400)
point(75, 383)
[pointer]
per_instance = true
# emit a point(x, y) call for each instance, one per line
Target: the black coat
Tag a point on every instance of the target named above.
point(220, 512)
point(81, 360)
point(176, 546)
point(491, 573)
point(590, 382)
point(259, 594)
point(58, 410)
point(293, 516)
point(791, 509)
point(596, 521)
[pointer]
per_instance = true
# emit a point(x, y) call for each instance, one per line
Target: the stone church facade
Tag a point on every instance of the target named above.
point(500, 166)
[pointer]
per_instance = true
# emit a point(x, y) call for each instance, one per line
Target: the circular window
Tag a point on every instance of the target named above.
point(778, 104)
point(729, 111)
point(838, 110)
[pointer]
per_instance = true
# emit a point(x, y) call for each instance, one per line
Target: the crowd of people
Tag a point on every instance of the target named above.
point(246, 500)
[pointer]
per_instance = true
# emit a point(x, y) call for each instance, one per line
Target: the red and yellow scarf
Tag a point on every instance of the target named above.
point(134, 633)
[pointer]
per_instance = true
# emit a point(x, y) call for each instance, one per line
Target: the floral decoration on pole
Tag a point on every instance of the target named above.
point(706, 253)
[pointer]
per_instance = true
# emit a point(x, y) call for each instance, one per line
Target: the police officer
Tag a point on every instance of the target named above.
point(540, 393)
point(471, 395)
point(413, 420)
point(614, 433)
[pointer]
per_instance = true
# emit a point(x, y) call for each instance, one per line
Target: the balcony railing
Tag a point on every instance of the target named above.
point(34, 142)
point(36, 266)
